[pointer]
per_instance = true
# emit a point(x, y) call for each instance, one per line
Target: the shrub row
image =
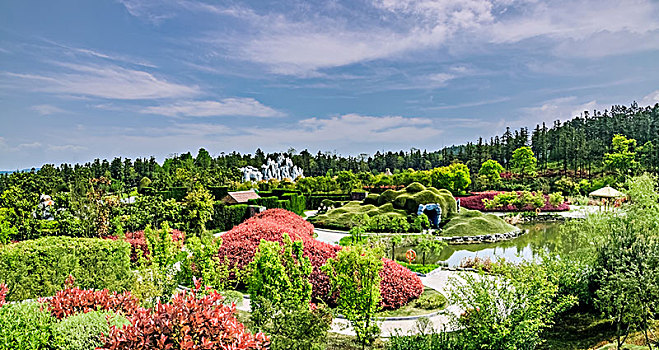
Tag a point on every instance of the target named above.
point(226, 217)
point(398, 286)
point(189, 321)
point(475, 202)
point(314, 201)
point(281, 199)
point(39, 268)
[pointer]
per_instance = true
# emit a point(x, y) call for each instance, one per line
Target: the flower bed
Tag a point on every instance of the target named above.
point(398, 286)
point(476, 202)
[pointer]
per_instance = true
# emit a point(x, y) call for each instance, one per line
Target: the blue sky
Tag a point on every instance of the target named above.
point(87, 79)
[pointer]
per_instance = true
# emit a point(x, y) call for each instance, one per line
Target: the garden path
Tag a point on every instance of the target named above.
point(438, 280)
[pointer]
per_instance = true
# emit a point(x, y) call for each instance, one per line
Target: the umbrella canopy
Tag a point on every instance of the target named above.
point(607, 192)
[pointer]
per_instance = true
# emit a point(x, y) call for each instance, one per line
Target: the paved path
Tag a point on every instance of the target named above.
point(329, 236)
point(438, 280)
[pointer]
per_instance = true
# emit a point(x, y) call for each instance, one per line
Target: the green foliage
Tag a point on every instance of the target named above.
point(473, 222)
point(25, 326)
point(623, 158)
point(388, 223)
point(157, 278)
point(278, 277)
point(523, 161)
point(300, 329)
point(7, 229)
point(556, 199)
point(84, 331)
point(454, 178)
point(425, 337)
point(346, 181)
point(627, 265)
point(418, 267)
point(503, 199)
point(280, 293)
point(198, 209)
point(531, 200)
point(420, 223)
point(429, 245)
point(432, 301)
point(202, 261)
point(508, 310)
point(225, 217)
point(491, 171)
point(355, 273)
point(38, 268)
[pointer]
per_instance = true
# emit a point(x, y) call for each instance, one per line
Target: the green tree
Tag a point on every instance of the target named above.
point(355, 272)
point(346, 181)
point(523, 161)
point(623, 158)
point(198, 205)
point(280, 294)
point(491, 171)
point(508, 311)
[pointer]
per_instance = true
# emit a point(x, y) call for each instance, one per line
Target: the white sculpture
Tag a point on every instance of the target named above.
point(281, 169)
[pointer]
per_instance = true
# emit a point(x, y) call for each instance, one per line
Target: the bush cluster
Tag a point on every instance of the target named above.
point(291, 201)
point(476, 202)
point(399, 285)
point(39, 268)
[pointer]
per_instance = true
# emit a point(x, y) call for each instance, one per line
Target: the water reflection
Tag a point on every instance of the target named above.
point(541, 237)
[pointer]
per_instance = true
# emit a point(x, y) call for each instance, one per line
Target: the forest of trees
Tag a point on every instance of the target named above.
point(576, 147)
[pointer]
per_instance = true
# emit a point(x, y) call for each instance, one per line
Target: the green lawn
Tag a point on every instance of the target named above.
point(412, 308)
point(473, 223)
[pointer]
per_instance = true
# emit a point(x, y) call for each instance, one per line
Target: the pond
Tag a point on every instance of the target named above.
point(541, 236)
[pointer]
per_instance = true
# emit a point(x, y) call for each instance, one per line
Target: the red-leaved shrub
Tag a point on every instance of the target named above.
point(476, 202)
point(187, 322)
point(399, 285)
point(3, 293)
point(74, 300)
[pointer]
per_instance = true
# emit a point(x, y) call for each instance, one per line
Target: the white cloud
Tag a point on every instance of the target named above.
point(66, 148)
point(650, 99)
point(563, 108)
point(225, 107)
point(106, 81)
point(313, 42)
point(47, 109)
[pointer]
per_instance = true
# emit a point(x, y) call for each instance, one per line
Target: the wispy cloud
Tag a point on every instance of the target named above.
point(226, 107)
point(47, 109)
point(650, 99)
point(105, 81)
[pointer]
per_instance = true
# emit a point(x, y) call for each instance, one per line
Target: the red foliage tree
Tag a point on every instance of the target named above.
point(187, 322)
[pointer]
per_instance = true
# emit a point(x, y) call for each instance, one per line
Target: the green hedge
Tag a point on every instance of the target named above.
point(290, 201)
point(313, 201)
point(38, 268)
point(225, 217)
point(178, 193)
point(84, 331)
point(218, 192)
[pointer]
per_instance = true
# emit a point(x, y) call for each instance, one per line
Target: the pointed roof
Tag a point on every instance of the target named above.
point(607, 192)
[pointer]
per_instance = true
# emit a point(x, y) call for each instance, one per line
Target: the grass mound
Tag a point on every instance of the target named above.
point(473, 223)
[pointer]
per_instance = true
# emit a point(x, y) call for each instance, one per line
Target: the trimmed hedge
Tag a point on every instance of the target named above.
point(218, 192)
point(313, 201)
point(178, 193)
point(225, 217)
point(39, 268)
point(290, 201)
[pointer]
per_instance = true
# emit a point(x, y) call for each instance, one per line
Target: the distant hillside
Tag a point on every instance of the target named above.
point(17, 171)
